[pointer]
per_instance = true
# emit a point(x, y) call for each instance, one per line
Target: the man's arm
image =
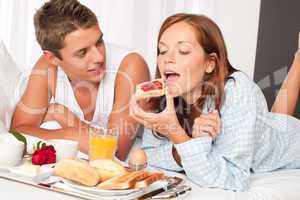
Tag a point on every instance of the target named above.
point(32, 107)
point(132, 71)
point(31, 111)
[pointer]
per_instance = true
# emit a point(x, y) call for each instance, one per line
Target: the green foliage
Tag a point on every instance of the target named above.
point(21, 138)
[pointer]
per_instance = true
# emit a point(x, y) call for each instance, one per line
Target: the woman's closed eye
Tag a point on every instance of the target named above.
point(183, 52)
point(162, 52)
point(183, 49)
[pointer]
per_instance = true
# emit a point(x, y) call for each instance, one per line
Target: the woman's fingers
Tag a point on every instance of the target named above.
point(170, 101)
point(137, 112)
point(215, 117)
point(206, 129)
point(134, 106)
point(208, 124)
point(141, 121)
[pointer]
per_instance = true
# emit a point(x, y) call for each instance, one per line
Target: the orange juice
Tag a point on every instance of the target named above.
point(102, 147)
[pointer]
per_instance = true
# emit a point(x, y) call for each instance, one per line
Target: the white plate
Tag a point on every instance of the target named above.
point(45, 173)
point(94, 190)
point(4, 169)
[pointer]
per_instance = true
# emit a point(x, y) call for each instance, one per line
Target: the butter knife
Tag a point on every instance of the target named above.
point(172, 182)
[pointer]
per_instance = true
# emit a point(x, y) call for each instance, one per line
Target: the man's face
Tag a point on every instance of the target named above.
point(83, 55)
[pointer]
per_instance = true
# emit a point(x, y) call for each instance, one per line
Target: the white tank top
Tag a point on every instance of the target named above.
point(105, 97)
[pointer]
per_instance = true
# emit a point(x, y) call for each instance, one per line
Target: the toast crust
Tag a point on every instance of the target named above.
point(123, 182)
point(141, 94)
point(155, 176)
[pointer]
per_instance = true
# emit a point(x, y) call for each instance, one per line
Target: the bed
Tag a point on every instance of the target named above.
point(279, 185)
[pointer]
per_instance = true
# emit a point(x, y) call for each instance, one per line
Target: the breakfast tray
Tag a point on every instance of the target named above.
point(61, 187)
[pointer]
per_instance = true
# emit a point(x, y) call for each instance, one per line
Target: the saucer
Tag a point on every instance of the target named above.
point(4, 169)
point(36, 173)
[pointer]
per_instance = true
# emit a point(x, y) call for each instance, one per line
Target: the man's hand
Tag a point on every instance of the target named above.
point(61, 114)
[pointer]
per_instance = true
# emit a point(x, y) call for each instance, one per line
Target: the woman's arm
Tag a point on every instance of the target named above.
point(160, 152)
point(287, 96)
point(225, 164)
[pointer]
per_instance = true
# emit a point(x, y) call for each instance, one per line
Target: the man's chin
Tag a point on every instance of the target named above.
point(98, 78)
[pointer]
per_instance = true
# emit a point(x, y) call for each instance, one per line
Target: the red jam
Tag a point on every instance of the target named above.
point(155, 85)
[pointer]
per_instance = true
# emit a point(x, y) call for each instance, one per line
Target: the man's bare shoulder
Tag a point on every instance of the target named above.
point(132, 71)
point(45, 73)
point(43, 64)
point(135, 64)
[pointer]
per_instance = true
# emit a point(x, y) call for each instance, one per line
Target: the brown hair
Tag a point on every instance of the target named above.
point(57, 18)
point(210, 38)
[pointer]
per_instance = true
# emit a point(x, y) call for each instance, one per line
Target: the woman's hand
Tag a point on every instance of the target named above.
point(207, 125)
point(165, 122)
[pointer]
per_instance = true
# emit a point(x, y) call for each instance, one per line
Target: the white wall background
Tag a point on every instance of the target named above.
point(239, 22)
point(135, 24)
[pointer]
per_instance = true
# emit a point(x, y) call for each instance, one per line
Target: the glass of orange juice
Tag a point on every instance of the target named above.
point(102, 143)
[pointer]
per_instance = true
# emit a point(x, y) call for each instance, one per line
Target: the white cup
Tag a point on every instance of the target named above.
point(11, 150)
point(64, 148)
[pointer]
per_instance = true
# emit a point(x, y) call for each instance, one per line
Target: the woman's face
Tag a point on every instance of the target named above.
point(182, 61)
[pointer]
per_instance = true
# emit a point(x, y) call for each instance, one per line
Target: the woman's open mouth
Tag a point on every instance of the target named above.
point(171, 76)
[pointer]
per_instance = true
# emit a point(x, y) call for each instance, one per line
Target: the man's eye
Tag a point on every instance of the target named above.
point(81, 53)
point(99, 42)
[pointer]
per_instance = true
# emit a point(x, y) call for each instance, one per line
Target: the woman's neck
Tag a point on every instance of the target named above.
point(192, 96)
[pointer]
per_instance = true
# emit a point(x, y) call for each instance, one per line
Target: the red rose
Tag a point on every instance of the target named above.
point(44, 155)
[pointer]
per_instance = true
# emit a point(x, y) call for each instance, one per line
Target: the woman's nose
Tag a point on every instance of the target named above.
point(170, 57)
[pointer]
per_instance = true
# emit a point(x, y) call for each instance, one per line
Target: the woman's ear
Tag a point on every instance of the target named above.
point(211, 63)
point(50, 57)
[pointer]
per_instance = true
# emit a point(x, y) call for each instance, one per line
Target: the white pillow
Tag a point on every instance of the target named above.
point(9, 80)
point(9, 72)
point(5, 112)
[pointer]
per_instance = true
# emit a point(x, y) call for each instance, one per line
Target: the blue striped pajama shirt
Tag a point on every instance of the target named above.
point(251, 140)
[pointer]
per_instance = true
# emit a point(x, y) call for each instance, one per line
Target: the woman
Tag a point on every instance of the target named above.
point(218, 148)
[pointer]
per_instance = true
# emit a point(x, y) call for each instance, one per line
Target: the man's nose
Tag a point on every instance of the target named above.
point(98, 54)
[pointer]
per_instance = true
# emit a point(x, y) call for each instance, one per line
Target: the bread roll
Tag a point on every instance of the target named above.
point(107, 168)
point(78, 171)
point(154, 88)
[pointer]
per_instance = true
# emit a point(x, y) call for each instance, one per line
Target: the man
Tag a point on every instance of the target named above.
point(73, 46)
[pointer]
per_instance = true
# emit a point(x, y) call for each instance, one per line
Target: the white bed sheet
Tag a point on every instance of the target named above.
point(278, 185)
